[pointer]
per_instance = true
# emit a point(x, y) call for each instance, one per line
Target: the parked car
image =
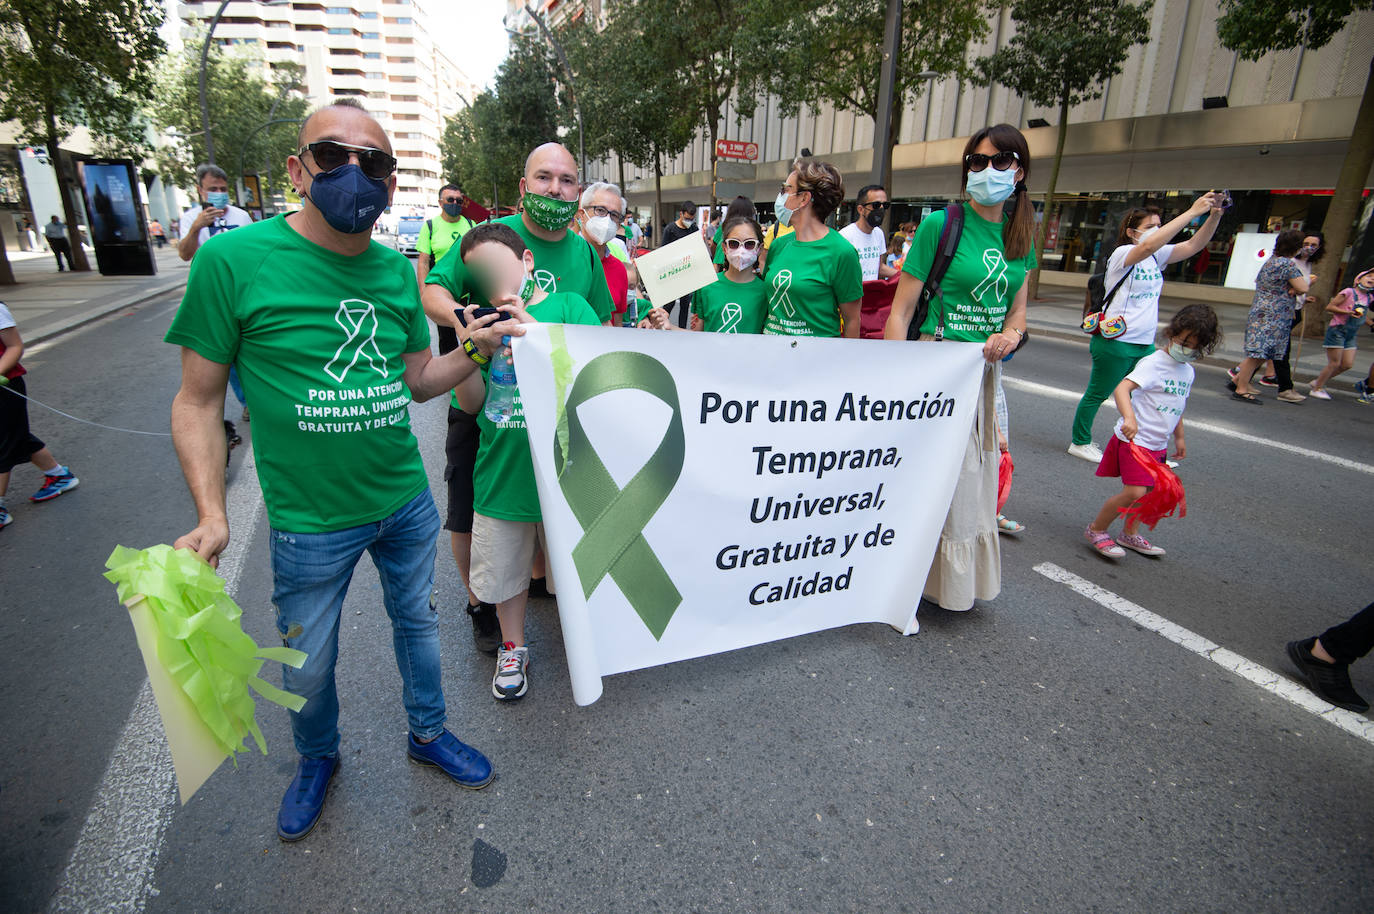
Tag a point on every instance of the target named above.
point(407, 233)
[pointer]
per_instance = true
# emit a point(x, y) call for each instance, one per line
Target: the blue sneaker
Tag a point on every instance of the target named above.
point(54, 486)
point(1365, 394)
point(468, 767)
point(5, 517)
point(304, 799)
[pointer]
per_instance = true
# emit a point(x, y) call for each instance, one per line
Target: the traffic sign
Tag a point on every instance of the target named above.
point(737, 149)
point(735, 171)
point(730, 189)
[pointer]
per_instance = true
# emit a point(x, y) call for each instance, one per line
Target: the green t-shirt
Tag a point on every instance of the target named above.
point(569, 265)
point(726, 306)
point(437, 235)
point(808, 281)
point(719, 257)
point(503, 479)
point(980, 284)
point(317, 338)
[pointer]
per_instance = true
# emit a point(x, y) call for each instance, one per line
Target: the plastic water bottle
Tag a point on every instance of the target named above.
point(631, 311)
point(500, 406)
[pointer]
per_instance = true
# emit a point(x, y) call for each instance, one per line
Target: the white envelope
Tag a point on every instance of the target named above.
point(676, 269)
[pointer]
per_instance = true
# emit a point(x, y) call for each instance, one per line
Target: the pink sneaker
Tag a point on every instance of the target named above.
point(1137, 543)
point(1102, 541)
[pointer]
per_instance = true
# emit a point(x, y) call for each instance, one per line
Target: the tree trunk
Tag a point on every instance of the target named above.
point(6, 271)
point(714, 134)
point(1345, 208)
point(79, 262)
point(620, 162)
point(1044, 232)
point(658, 198)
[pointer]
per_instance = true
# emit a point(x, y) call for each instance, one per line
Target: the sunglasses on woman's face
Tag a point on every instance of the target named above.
point(330, 155)
point(734, 244)
point(1001, 161)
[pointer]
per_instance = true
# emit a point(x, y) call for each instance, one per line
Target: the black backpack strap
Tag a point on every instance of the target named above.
point(429, 226)
point(1107, 302)
point(931, 290)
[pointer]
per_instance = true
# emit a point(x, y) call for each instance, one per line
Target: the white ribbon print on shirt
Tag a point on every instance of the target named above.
point(996, 280)
point(359, 323)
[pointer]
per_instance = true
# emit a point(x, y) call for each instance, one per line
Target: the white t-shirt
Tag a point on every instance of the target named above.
point(233, 218)
point(1159, 400)
point(6, 319)
point(871, 248)
point(1138, 297)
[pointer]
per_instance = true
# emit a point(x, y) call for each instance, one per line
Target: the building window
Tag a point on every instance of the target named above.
point(338, 11)
point(367, 15)
point(372, 55)
point(338, 31)
point(372, 35)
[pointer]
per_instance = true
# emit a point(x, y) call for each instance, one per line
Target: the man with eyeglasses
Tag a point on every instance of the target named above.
point(214, 213)
point(602, 213)
point(564, 262)
point(326, 328)
point(436, 237)
point(866, 233)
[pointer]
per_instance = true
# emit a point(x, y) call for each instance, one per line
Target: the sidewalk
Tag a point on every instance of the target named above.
point(1059, 311)
point(47, 303)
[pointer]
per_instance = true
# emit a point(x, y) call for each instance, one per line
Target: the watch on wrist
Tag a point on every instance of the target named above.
point(473, 353)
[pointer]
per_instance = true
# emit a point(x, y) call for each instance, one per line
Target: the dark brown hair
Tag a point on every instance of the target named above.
point(1288, 243)
point(493, 232)
point(1201, 322)
point(1018, 232)
point(733, 222)
point(825, 184)
point(1134, 216)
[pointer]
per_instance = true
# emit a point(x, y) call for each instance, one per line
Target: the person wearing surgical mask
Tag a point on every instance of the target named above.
point(213, 215)
point(1143, 251)
point(600, 218)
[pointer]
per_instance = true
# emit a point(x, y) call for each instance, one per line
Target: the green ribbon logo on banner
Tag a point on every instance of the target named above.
point(612, 518)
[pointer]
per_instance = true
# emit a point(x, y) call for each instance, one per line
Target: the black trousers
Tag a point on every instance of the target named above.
point(61, 248)
point(1353, 638)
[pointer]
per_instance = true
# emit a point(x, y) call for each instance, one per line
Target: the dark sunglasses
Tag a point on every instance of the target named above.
point(330, 155)
point(1001, 161)
point(734, 244)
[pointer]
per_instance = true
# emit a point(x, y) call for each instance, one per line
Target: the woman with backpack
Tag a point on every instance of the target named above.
point(1134, 281)
point(982, 299)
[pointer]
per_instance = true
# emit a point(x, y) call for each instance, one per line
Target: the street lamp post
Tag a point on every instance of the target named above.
point(572, 87)
point(204, 56)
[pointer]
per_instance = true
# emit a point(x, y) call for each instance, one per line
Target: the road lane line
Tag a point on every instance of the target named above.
point(115, 857)
point(1060, 393)
point(1267, 679)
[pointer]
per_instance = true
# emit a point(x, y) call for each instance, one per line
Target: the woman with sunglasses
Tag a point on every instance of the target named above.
point(1142, 252)
point(983, 300)
point(737, 302)
point(814, 279)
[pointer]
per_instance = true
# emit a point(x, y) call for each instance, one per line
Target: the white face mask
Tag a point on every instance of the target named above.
point(781, 209)
point(600, 229)
point(741, 259)
point(1145, 233)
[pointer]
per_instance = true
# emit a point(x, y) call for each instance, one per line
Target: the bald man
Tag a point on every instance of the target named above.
point(326, 329)
point(564, 262)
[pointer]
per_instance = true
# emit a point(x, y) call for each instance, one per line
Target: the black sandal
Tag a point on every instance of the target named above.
point(1247, 398)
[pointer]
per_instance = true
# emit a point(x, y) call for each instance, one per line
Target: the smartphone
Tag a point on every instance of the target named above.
point(479, 313)
point(1226, 200)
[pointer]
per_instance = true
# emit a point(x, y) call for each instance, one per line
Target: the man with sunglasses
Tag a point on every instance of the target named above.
point(326, 328)
point(564, 262)
point(437, 236)
point(866, 233)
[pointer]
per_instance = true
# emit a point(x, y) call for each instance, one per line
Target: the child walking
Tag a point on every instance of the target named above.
point(1349, 310)
point(1151, 401)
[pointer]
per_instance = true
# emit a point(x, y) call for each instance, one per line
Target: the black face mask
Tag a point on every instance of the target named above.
point(876, 214)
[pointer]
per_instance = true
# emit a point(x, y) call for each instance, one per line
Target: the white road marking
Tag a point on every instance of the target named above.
point(1060, 393)
point(1265, 678)
point(115, 856)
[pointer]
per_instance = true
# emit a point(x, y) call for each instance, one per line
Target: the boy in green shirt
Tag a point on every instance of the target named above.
point(506, 519)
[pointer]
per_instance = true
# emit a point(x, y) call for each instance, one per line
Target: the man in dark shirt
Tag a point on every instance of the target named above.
point(678, 229)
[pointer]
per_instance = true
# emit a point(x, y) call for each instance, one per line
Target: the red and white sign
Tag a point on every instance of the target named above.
point(737, 149)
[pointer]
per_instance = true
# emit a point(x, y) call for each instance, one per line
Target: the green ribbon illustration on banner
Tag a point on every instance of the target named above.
point(612, 518)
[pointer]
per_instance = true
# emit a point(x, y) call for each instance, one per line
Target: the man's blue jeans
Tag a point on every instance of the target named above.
point(311, 572)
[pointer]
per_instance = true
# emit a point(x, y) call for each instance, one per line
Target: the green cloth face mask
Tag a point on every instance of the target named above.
point(549, 214)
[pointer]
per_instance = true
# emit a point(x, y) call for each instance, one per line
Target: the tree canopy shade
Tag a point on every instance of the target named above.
point(241, 100)
point(1253, 28)
point(1061, 53)
point(69, 63)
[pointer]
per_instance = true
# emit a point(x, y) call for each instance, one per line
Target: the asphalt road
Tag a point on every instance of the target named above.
point(1039, 753)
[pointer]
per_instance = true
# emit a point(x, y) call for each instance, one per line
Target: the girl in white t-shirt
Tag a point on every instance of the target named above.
point(1151, 399)
point(1142, 252)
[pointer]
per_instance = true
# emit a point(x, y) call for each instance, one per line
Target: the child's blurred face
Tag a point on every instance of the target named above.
point(497, 269)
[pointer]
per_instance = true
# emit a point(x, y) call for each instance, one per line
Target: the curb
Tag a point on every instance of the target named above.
point(102, 311)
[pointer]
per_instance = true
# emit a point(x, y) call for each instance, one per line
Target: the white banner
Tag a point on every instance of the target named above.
point(706, 492)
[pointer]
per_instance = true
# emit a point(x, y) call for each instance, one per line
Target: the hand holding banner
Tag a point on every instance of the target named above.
point(710, 491)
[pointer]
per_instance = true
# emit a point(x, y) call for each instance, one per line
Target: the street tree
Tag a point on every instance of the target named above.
point(1061, 53)
point(832, 53)
point(242, 100)
point(69, 63)
point(1253, 28)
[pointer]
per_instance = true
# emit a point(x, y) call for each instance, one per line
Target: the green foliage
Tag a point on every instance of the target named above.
point(1253, 28)
point(824, 52)
point(1064, 49)
point(240, 100)
point(68, 63)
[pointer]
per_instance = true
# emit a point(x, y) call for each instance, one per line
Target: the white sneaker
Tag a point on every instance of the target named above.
point(1089, 452)
point(1317, 393)
point(510, 681)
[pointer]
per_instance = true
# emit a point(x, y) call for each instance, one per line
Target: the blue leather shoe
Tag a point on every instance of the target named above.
point(304, 800)
point(468, 767)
